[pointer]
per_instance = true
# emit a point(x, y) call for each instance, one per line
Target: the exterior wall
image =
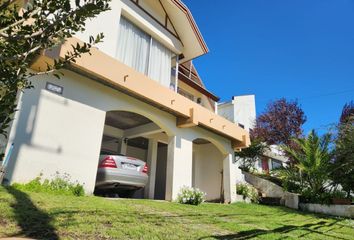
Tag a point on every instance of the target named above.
point(227, 111)
point(334, 210)
point(110, 28)
point(55, 134)
point(207, 168)
point(242, 109)
point(63, 133)
point(205, 101)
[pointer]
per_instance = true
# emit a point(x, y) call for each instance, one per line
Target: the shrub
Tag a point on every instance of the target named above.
point(247, 191)
point(58, 185)
point(191, 196)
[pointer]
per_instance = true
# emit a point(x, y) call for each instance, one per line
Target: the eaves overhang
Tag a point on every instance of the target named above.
point(189, 33)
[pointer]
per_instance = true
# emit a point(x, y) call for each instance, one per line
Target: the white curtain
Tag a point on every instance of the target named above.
point(133, 46)
point(160, 63)
point(141, 52)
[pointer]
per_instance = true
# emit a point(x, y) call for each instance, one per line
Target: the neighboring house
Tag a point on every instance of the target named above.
point(242, 111)
point(138, 94)
point(272, 159)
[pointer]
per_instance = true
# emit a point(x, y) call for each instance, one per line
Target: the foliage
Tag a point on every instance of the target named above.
point(343, 164)
point(26, 30)
point(290, 178)
point(58, 185)
point(192, 196)
point(248, 192)
point(347, 113)
point(311, 173)
point(281, 121)
point(249, 156)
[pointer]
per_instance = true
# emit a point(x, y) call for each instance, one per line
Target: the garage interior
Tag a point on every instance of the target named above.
point(136, 136)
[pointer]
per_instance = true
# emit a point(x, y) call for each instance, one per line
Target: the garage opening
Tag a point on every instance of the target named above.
point(135, 149)
point(208, 169)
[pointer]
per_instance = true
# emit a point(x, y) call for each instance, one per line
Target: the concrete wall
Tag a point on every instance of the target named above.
point(227, 111)
point(242, 109)
point(64, 132)
point(53, 133)
point(270, 189)
point(334, 210)
point(110, 28)
point(207, 168)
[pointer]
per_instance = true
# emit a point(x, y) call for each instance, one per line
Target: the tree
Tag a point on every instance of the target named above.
point(313, 164)
point(347, 113)
point(343, 164)
point(26, 30)
point(249, 156)
point(281, 122)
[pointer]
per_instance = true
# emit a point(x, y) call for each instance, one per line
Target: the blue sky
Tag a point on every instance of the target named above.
point(298, 49)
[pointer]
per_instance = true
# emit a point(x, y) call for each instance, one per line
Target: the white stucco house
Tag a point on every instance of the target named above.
point(137, 94)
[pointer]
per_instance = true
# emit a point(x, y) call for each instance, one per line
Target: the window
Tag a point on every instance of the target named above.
point(140, 51)
point(276, 164)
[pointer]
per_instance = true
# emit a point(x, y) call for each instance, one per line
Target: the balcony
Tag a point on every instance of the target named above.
point(118, 75)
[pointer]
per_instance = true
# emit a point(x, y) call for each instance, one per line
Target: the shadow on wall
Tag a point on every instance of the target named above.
point(26, 123)
point(34, 222)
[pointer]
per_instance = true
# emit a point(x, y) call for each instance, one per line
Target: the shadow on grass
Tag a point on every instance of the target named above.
point(254, 233)
point(34, 222)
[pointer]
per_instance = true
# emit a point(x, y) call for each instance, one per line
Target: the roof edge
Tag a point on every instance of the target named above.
point(194, 25)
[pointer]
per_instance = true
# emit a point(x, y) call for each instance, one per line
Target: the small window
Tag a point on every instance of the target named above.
point(276, 164)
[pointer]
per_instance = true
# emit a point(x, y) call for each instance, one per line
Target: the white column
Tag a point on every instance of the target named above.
point(152, 164)
point(123, 147)
point(177, 71)
point(179, 166)
point(229, 175)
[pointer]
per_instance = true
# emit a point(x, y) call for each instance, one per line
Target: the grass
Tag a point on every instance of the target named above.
point(48, 216)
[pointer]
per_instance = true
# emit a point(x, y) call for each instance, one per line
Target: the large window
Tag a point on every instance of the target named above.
point(143, 53)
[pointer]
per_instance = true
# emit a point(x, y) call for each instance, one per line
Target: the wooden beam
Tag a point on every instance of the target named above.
point(188, 122)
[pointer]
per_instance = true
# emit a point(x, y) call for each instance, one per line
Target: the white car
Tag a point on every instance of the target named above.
point(120, 174)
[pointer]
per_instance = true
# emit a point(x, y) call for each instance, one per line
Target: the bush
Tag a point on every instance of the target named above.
point(58, 185)
point(191, 196)
point(247, 191)
point(327, 197)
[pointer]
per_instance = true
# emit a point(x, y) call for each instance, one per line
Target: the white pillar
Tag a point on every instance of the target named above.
point(229, 175)
point(179, 166)
point(152, 164)
point(123, 147)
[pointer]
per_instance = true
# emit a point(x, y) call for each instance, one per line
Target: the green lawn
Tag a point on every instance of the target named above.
point(46, 216)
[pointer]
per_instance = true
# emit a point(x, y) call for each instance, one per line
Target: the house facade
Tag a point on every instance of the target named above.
point(138, 94)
